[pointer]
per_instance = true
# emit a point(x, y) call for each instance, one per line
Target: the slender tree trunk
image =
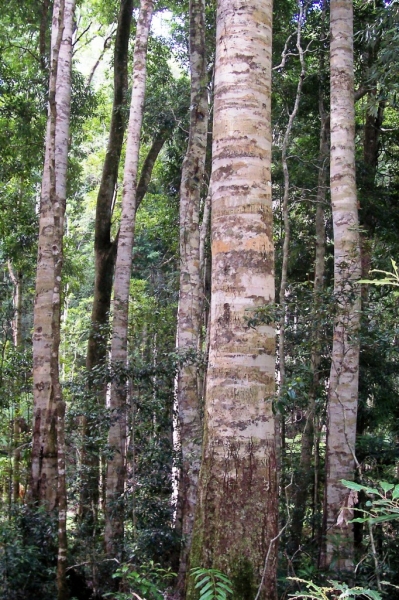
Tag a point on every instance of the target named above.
point(371, 146)
point(105, 254)
point(42, 34)
point(63, 109)
point(48, 452)
point(44, 465)
point(16, 279)
point(117, 433)
point(236, 518)
point(62, 587)
point(46, 337)
point(303, 478)
point(287, 227)
point(343, 389)
point(191, 288)
point(146, 171)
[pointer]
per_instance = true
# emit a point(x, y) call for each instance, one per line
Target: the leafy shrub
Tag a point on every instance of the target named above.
point(27, 555)
point(335, 591)
point(144, 581)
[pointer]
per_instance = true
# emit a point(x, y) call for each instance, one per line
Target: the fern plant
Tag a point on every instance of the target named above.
point(212, 584)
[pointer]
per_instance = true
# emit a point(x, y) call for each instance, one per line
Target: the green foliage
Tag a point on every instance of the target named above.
point(145, 580)
point(335, 591)
point(391, 278)
point(28, 555)
point(383, 504)
point(212, 584)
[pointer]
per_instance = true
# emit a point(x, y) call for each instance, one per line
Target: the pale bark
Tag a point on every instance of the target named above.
point(48, 278)
point(16, 278)
point(191, 288)
point(16, 325)
point(63, 110)
point(343, 387)
point(236, 518)
point(116, 467)
point(62, 587)
point(48, 453)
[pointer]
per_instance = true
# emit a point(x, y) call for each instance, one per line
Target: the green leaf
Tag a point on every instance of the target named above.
point(207, 596)
point(395, 493)
point(352, 485)
point(207, 587)
point(225, 586)
point(384, 518)
point(222, 577)
point(386, 486)
point(201, 583)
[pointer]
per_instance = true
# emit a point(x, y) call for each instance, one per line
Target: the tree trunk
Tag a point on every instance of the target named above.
point(191, 288)
point(117, 433)
point(236, 518)
point(343, 388)
point(105, 254)
point(42, 34)
point(46, 337)
point(62, 587)
point(303, 477)
point(280, 425)
point(16, 279)
point(16, 325)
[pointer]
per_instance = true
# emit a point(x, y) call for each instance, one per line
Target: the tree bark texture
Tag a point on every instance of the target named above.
point(16, 325)
point(236, 518)
point(191, 282)
point(46, 336)
point(117, 433)
point(343, 388)
point(62, 586)
point(105, 254)
point(16, 278)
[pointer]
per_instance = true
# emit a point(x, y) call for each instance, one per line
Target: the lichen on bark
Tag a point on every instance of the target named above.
point(236, 517)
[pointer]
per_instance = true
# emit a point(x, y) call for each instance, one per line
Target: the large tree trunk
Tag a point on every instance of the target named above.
point(117, 433)
point(191, 282)
point(343, 389)
point(105, 254)
point(236, 518)
point(46, 337)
